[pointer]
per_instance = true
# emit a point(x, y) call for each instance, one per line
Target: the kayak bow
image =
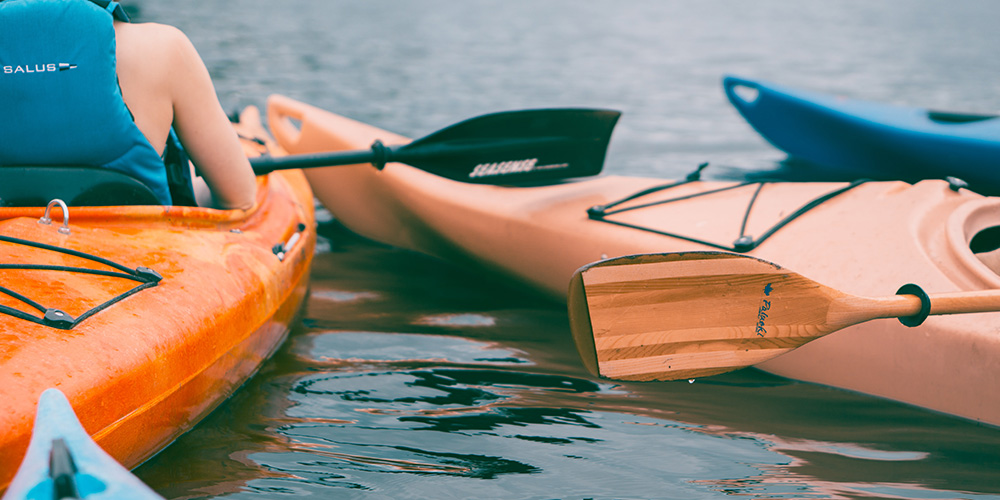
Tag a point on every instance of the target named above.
point(63, 462)
point(872, 140)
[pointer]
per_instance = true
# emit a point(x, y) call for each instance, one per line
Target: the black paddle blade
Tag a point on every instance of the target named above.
point(515, 147)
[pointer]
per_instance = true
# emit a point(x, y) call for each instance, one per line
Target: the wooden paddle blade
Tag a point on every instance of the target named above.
point(687, 315)
point(516, 147)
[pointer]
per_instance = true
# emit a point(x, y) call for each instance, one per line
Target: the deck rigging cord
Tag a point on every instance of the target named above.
point(57, 318)
point(743, 242)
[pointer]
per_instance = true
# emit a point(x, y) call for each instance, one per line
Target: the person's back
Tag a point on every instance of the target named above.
point(162, 80)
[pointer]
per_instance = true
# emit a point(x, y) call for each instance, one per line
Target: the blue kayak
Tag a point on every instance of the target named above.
point(872, 140)
point(63, 462)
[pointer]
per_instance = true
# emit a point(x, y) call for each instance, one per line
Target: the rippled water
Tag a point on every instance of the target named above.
point(410, 378)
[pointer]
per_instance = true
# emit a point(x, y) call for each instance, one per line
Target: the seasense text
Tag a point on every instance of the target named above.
point(511, 167)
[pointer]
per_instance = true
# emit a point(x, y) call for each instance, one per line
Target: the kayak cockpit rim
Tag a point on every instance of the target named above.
point(153, 213)
point(973, 235)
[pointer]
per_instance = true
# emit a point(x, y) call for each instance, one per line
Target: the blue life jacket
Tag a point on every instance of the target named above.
point(60, 103)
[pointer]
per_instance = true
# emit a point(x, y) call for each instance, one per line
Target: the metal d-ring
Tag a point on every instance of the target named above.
point(47, 220)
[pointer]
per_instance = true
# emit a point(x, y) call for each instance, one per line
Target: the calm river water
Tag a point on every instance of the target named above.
point(411, 378)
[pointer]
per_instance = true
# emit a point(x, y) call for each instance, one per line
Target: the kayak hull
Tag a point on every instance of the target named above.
point(867, 241)
point(868, 139)
point(144, 369)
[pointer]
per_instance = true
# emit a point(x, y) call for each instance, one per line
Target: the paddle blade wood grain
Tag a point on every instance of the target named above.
point(688, 315)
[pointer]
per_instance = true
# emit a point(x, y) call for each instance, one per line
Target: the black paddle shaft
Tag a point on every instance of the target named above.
point(502, 148)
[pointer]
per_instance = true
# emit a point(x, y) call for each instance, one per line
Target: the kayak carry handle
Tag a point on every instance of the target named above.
point(741, 92)
point(954, 118)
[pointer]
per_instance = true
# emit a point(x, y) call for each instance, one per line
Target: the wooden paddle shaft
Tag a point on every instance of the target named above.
point(942, 303)
point(965, 302)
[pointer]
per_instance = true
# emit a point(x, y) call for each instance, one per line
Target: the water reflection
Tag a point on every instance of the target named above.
point(382, 421)
point(484, 423)
point(371, 347)
point(342, 296)
point(457, 320)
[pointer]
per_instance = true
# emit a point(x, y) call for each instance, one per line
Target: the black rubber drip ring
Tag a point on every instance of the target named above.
point(925, 305)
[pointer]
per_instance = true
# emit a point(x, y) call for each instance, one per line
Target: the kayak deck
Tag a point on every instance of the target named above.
point(148, 366)
point(866, 241)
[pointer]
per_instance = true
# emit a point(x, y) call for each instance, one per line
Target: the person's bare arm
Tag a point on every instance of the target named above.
point(205, 131)
point(164, 82)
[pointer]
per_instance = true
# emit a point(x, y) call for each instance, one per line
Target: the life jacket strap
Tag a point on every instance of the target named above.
point(114, 8)
point(177, 163)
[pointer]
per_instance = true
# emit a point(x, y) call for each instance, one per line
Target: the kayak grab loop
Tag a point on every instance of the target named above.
point(57, 318)
point(47, 219)
point(742, 243)
point(925, 305)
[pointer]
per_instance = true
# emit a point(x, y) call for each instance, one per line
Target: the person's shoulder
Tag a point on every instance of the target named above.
point(150, 34)
point(154, 42)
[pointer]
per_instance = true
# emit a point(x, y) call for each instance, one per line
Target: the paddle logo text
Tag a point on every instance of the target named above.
point(762, 312)
point(511, 167)
point(37, 68)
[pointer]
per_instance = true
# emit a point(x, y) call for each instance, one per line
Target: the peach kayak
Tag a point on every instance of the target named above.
point(866, 239)
point(145, 317)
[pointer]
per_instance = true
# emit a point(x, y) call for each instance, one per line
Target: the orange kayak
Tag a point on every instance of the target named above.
point(866, 239)
point(145, 317)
